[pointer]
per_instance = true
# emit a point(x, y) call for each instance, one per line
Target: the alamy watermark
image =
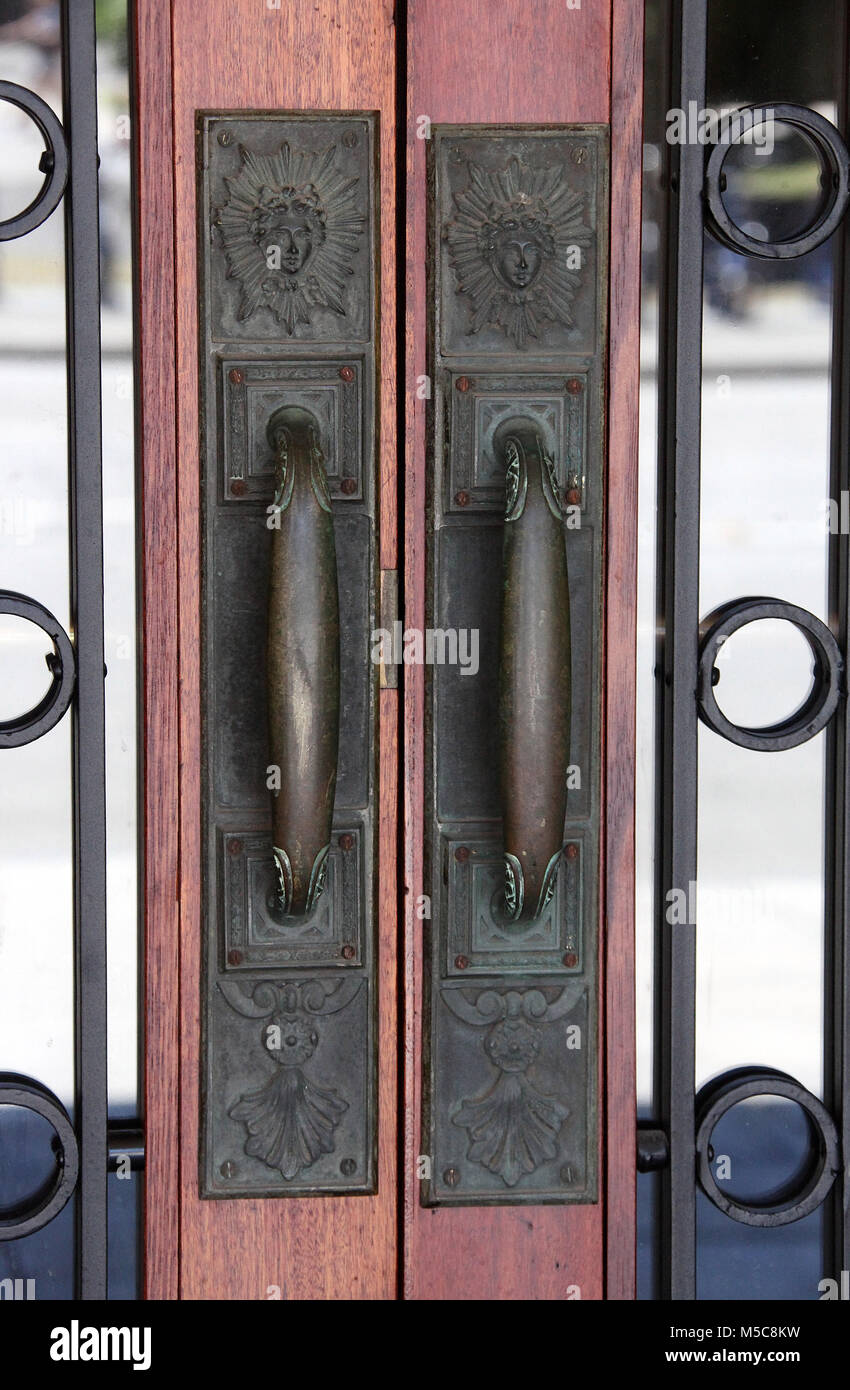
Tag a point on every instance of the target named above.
point(710, 125)
point(433, 646)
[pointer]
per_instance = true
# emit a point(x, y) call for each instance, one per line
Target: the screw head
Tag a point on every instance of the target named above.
point(346, 374)
point(570, 959)
point(575, 385)
point(228, 1169)
point(451, 1177)
point(346, 841)
point(348, 1167)
point(237, 487)
point(349, 485)
point(463, 383)
point(225, 138)
point(571, 851)
point(461, 854)
point(348, 951)
point(234, 847)
point(461, 963)
point(236, 375)
point(234, 957)
point(349, 139)
point(573, 496)
point(462, 499)
point(566, 1173)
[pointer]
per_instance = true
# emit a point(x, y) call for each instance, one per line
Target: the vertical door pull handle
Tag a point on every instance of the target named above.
point(303, 661)
point(534, 673)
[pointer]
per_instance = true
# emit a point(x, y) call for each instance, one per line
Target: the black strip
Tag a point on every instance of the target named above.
point(837, 767)
point(82, 274)
point(680, 370)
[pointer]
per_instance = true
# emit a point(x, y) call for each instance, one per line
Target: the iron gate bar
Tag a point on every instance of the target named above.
point(82, 276)
point(680, 381)
point(837, 770)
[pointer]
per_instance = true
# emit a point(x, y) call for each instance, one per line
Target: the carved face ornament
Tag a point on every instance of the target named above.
point(515, 245)
point(293, 220)
point(290, 229)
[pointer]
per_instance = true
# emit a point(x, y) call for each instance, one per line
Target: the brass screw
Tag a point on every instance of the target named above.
point(461, 963)
point(463, 383)
point(573, 496)
point(228, 1169)
point(236, 375)
point(349, 485)
point(462, 499)
point(451, 1177)
point(346, 841)
point(570, 959)
point(461, 854)
point(347, 373)
point(234, 958)
point(348, 951)
point(234, 847)
point(225, 138)
point(571, 851)
point(237, 487)
point(575, 386)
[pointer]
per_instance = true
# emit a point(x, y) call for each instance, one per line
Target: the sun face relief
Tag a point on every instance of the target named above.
point(291, 227)
point(515, 245)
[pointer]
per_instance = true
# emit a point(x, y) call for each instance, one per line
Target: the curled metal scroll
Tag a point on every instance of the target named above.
point(819, 705)
point(30, 1216)
point(835, 159)
point(804, 1193)
point(26, 728)
point(54, 162)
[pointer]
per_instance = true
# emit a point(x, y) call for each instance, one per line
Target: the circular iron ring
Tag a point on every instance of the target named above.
point(800, 1196)
point(835, 159)
point(819, 705)
point(54, 162)
point(26, 728)
point(28, 1217)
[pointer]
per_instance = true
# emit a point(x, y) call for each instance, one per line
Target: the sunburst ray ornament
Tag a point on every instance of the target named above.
point(291, 229)
point(515, 247)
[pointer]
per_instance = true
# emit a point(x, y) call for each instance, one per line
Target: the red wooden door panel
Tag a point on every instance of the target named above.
point(550, 63)
point(234, 55)
point(457, 62)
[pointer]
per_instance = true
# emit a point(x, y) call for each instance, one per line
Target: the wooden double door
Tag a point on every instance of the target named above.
point(420, 226)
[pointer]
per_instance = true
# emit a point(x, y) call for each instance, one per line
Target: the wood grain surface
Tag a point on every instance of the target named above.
point(547, 62)
point(466, 62)
point(621, 609)
point(232, 54)
point(158, 607)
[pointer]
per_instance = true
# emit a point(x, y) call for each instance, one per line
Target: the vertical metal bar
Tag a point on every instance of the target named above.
point(82, 272)
point(680, 376)
point(837, 912)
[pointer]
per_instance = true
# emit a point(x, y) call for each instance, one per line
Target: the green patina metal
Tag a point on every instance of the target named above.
point(288, 318)
point(516, 506)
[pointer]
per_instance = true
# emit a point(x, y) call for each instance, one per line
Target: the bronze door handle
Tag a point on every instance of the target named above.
point(303, 661)
point(534, 673)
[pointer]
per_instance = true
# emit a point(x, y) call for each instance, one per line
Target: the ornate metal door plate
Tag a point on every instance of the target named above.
point(287, 262)
point(519, 298)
